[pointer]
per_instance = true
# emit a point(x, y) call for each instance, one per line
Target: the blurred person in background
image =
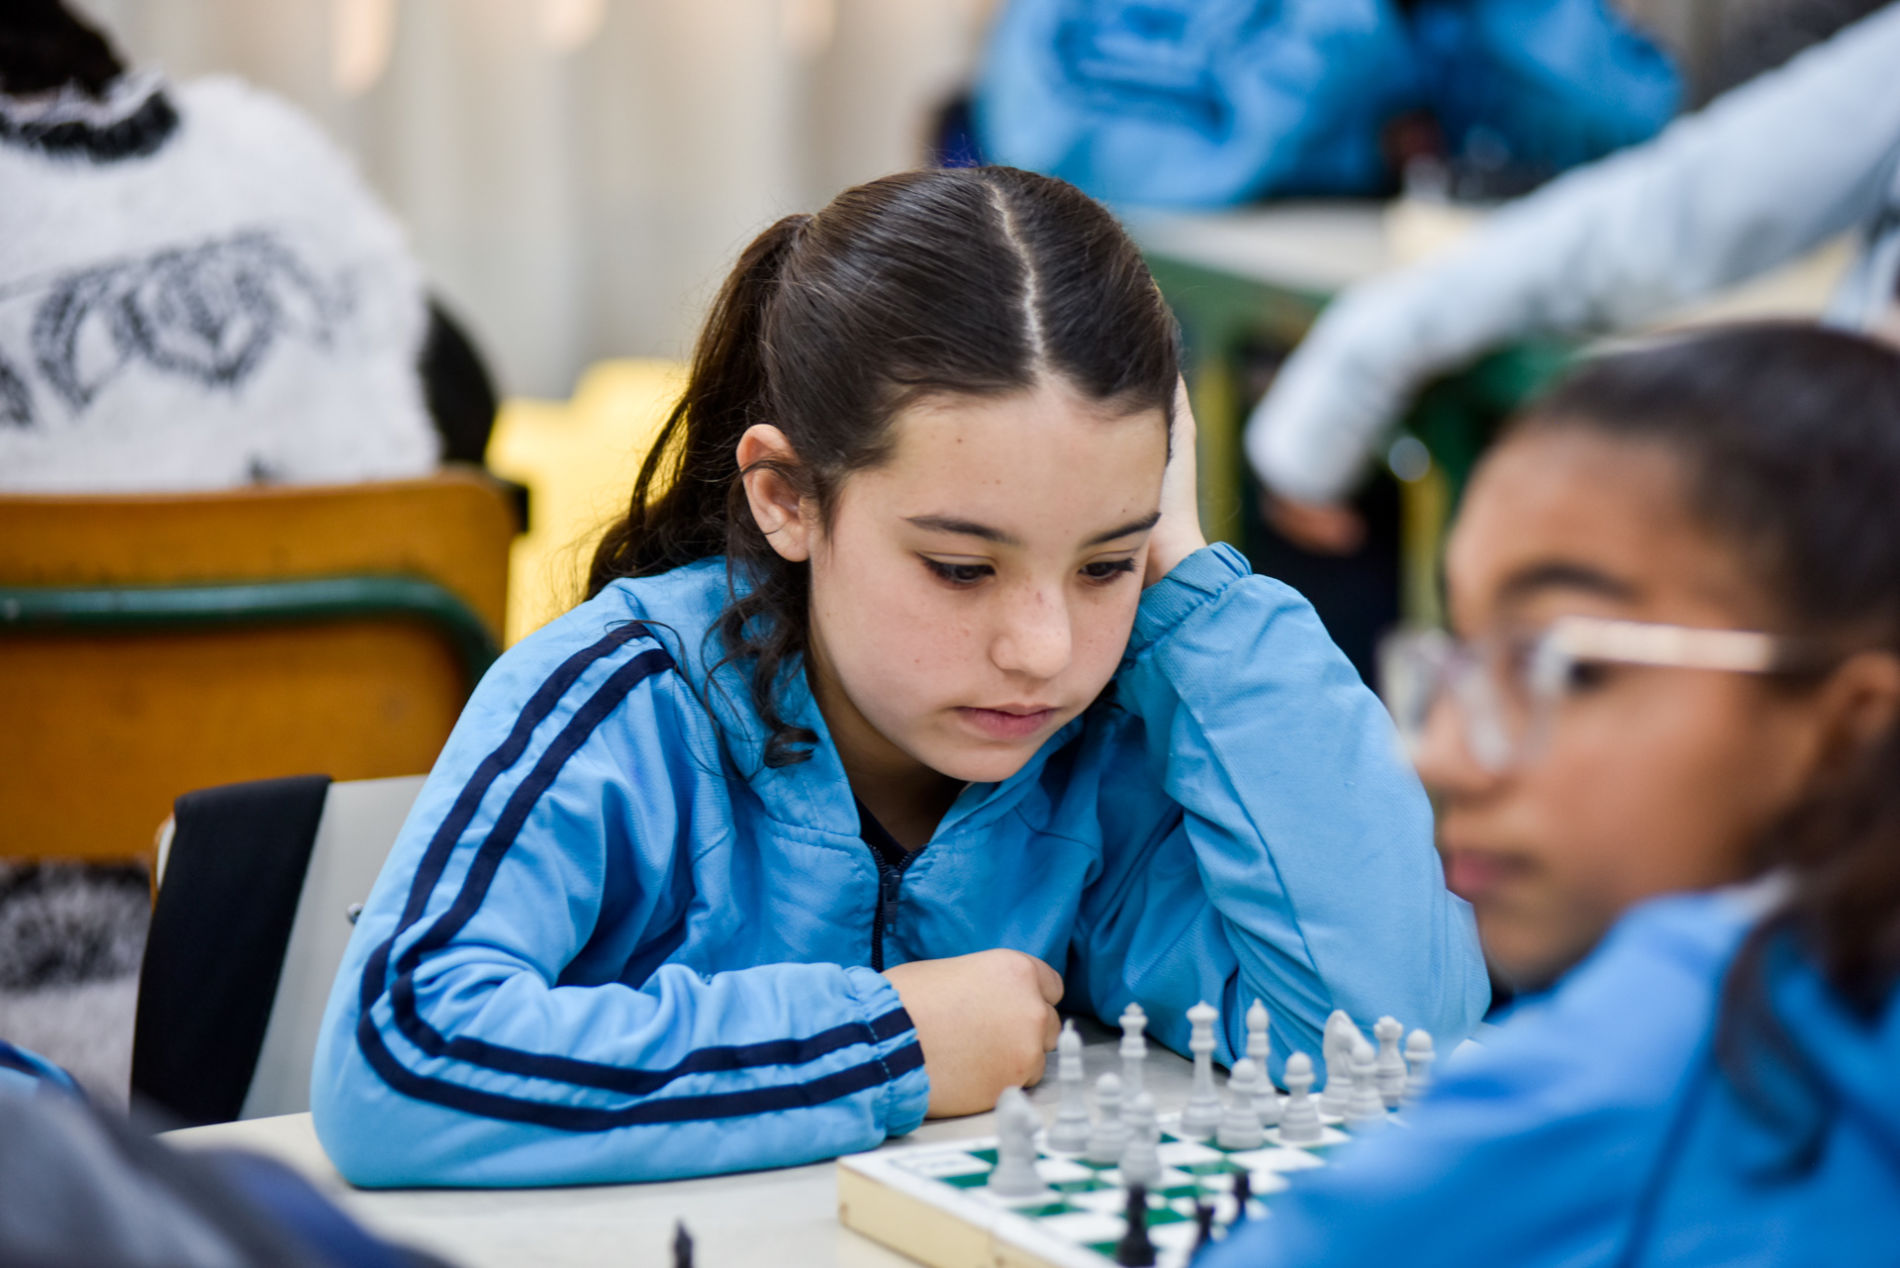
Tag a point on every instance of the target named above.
point(1665, 761)
point(197, 290)
point(1214, 102)
point(1764, 174)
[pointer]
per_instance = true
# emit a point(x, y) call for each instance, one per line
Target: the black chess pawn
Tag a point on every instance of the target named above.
point(682, 1246)
point(1243, 1194)
point(1203, 1225)
point(1134, 1250)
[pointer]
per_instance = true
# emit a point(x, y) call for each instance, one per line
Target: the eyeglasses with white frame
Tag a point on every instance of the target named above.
point(1507, 688)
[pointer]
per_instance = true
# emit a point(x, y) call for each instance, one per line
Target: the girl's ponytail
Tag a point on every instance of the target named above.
point(680, 508)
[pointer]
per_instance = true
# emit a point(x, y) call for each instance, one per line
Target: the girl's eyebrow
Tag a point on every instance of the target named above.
point(965, 528)
point(1132, 527)
point(1559, 575)
point(970, 528)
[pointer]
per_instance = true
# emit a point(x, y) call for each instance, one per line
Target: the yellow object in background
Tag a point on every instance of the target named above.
point(578, 458)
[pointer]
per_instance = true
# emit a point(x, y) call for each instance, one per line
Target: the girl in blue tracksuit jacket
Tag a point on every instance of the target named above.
point(909, 700)
point(1679, 582)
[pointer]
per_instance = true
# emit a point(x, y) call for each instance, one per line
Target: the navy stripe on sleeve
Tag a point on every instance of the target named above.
point(442, 845)
point(675, 1109)
point(474, 890)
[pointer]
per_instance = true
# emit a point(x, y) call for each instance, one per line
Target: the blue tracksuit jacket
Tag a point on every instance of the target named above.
point(609, 944)
point(1597, 1129)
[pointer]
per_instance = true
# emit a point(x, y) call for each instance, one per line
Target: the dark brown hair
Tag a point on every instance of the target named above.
point(972, 281)
point(1788, 438)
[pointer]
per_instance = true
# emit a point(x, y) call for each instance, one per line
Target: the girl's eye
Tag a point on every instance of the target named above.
point(1107, 570)
point(957, 574)
point(1586, 676)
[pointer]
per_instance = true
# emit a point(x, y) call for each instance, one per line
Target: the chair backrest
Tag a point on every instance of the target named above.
point(359, 824)
point(151, 645)
point(255, 909)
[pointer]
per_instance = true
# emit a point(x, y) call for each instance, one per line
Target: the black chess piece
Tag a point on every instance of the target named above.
point(1243, 1194)
point(1134, 1250)
point(1203, 1225)
point(682, 1246)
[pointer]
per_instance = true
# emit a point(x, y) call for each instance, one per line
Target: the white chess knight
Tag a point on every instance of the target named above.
point(1240, 1126)
point(1202, 1115)
point(1134, 1049)
point(1015, 1174)
point(1110, 1134)
point(1390, 1068)
point(1300, 1124)
point(1336, 1047)
point(1070, 1133)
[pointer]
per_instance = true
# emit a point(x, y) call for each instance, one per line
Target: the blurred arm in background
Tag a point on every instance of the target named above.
point(1762, 175)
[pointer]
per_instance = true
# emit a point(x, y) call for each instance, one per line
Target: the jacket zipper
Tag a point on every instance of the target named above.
point(889, 877)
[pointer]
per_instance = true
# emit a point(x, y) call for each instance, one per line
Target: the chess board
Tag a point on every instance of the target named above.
point(930, 1201)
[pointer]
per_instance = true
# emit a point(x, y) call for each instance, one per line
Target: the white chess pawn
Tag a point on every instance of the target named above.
point(1419, 1055)
point(1366, 1110)
point(1390, 1068)
point(1300, 1124)
point(1110, 1133)
point(1240, 1126)
point(1202, 1114)
point(1141, 1157)
point(1134, 1049)
point(1336, 1047)
point(1015, 1174)
point(1257, 1034)
point(1266, 1101)
point(1070, 1133)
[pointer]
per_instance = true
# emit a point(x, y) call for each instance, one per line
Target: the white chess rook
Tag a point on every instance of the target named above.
point(1202, 1116)
point(1299, 1124)
point(1110, 1134)
point(1070, 1133)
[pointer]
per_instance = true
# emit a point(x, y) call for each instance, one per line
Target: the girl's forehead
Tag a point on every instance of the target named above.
point(1569, 519)
point(1025, 455)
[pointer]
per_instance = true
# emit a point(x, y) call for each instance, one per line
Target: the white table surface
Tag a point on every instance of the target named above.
point(785, 1218)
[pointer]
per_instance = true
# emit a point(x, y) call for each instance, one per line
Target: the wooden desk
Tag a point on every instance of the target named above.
point(781, 1219)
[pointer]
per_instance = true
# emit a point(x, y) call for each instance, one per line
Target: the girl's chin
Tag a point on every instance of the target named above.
point(990, 763)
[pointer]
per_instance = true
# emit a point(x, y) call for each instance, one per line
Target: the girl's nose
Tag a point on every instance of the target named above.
point(1442, 752)
point(1034, 640)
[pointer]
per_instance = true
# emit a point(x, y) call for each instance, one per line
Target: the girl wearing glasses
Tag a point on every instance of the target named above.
point(1667, 770)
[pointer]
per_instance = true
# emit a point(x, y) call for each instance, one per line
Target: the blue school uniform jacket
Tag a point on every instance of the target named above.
point(1597, 1128)
point(610, 944)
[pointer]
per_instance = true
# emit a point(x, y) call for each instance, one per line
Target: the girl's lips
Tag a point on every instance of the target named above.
point(1006, 724)
point(1474, 875)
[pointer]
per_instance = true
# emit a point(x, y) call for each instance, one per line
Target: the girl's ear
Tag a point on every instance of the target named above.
point(785, 516)
point(1860, 703)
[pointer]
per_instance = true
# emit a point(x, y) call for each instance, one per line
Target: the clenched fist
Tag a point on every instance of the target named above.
point(985, 1022)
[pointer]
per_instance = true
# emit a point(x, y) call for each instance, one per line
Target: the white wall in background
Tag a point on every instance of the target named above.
point(577, 174)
